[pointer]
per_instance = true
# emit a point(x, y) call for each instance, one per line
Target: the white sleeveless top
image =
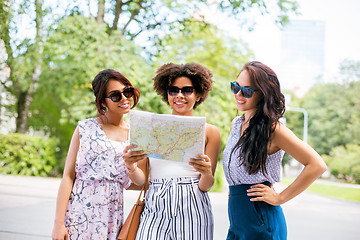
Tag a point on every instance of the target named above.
point(160, 168)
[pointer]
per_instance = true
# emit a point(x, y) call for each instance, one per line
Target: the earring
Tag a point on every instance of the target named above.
point(104, 109)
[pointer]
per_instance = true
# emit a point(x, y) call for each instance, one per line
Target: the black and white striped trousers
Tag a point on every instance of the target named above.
point(176, 208)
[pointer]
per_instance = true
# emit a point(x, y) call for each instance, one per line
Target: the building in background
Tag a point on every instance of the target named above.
point(302, 54)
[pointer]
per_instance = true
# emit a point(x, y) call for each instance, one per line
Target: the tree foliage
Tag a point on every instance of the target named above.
point(117, 18)
point(344, 162)
point(56, 64)
point(213, 48)
point(334, 117)
point(75, 52)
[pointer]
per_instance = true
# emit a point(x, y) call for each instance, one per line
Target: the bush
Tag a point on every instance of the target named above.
point(344, 162)
point(27, 155)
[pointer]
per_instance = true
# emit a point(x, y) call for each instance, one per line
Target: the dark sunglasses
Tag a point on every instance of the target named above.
point(245, 91)
point(174, 91)
point(116, 96)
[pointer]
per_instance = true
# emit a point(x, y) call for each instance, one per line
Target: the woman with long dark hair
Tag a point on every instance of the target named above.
point(90, 198)
point(253, 154)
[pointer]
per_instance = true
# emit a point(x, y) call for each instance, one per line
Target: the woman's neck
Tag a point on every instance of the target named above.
point(248, 115)
point(114, 120)
point(189, 113)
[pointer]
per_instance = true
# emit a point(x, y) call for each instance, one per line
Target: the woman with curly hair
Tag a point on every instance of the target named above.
point(177, 204)
point(252, 157)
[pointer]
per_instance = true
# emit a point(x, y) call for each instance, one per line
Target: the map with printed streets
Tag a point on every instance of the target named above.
point(168, 137)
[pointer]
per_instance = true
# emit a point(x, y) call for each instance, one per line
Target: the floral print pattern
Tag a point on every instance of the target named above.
point(95, 208)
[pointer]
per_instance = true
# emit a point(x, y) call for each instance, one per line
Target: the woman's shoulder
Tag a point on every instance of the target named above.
point(212, 132)
point(210, 127)
point(236, 121)
point(282, 134)
point(238, 118)
point(87, 121)
point(87, 125)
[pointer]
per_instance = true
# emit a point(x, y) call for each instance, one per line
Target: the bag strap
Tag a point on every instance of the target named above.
point(146, 184)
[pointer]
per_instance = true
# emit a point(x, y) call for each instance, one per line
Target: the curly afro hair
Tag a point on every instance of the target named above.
point(199, 75)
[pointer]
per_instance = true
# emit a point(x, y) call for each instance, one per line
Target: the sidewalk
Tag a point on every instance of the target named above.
point(27, 208)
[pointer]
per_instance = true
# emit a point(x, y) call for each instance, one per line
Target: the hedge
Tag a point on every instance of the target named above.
point(344, 162)
point(27, 155)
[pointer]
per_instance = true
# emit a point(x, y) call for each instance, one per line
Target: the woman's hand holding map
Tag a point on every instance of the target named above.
point(131, 159)
point(202, 164)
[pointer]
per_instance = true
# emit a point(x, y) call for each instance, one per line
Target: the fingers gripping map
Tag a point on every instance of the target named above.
point(170, 137)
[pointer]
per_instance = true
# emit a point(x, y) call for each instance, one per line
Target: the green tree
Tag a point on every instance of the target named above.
point(136, 17)
point(25, 62)
point(344, 162)
point(334, 113)
point(224, 56)
point(121, 18)
point(75, 52)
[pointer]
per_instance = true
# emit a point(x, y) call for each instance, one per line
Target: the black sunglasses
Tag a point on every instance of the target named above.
point(174, 91)
point(116, 96)
point(245, 91)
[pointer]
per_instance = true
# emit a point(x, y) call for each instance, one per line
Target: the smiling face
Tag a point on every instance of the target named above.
point(121, 107)
point(180, 104)
point(247, 105)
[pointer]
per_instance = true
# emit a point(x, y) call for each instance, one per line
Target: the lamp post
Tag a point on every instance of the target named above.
point(305, 128)
point(302, 110)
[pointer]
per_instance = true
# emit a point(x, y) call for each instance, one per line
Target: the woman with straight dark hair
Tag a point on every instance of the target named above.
point(90, 198)
point(253, 154)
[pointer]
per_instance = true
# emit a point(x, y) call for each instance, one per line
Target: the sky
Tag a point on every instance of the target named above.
point(342, 35)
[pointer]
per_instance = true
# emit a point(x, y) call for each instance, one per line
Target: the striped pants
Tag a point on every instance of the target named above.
point(176, 208)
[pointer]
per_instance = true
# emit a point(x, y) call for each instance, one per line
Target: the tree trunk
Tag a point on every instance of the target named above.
point(133, 15)
point(101, 11)
point(26, 97)
point(118, 10)
point(23, 112)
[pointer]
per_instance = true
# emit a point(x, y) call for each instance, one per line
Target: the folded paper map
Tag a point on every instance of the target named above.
point(168, 137)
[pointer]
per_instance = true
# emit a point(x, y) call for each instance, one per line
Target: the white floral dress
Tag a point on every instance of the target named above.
point(95, 208)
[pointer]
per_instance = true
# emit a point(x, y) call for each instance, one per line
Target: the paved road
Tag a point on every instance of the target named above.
point(27, 206)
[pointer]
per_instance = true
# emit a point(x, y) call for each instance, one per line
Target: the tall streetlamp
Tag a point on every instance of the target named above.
point(302, 110)
point(299, 166)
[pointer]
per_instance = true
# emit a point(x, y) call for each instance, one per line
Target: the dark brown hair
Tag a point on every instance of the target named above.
point(257, 137)
point(100, 83)
point(199, 75)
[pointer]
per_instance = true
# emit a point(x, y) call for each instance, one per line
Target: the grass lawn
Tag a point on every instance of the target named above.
point(334, 191)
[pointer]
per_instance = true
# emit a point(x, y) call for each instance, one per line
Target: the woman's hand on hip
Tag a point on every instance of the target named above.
point(261, 192)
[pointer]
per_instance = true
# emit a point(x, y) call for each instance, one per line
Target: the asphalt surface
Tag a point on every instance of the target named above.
point(27, 208)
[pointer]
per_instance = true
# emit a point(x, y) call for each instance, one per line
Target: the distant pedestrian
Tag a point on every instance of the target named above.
point(90, 198)
point(253, 154)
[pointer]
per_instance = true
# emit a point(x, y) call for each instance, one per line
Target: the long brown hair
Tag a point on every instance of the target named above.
point(256, 138)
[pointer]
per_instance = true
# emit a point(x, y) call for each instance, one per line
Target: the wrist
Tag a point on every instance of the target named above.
point(58, 222)
point(207, 174)
point(131, 168)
